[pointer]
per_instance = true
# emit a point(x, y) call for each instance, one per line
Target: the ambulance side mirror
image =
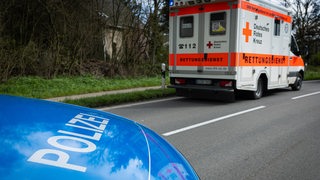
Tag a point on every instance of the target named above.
point(294, 47)
point(306, 55)
point(305, 51)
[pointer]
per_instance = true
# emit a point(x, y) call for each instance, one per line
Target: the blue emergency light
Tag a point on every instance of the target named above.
point(171, 3)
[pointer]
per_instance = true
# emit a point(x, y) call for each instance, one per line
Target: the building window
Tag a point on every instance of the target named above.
point(277, 27)
point(218, 23)
point(186, 26)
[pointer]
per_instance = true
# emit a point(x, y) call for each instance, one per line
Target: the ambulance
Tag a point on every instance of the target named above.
point(232, 46)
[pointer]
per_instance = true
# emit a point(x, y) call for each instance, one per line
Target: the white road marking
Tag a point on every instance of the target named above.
point(139, 103)
point(306, 95)
point(311, 81)
point(211, 121)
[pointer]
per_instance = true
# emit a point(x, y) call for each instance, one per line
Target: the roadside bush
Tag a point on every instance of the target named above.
point(16, 60)
point(315, 59)
point(8, 58)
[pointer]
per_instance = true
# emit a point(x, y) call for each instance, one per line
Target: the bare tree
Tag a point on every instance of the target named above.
point(306, 17)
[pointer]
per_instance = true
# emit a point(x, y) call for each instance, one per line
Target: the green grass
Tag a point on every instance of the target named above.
point(108, 100)
point(37, 87)
point(312, 73)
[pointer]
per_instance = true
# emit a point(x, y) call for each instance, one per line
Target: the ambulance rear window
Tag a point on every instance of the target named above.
point(277, 27)
point(186, 26)
point(218, 23)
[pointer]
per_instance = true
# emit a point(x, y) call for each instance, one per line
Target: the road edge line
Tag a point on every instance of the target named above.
point(211, 121)
point(306, 95)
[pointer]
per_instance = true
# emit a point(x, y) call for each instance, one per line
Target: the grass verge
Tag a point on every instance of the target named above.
point(114, 99)
point(36, 87)
point(312, 73)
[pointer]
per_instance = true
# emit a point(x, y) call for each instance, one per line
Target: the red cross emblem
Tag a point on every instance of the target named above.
point(209, 44)
point(247, 31)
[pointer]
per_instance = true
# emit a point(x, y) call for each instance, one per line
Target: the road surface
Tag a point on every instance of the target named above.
point(276, 137)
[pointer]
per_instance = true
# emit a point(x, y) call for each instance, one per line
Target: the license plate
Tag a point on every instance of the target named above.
point(203, 81)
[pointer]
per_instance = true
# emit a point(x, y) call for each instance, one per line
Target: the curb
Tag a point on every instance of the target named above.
point(80, 96)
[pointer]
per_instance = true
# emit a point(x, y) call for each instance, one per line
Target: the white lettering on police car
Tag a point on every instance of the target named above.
point(96, 135)
point(81, 119)
point(88, 122)
point(54, 141)
point(86, 128)
point(62, 161)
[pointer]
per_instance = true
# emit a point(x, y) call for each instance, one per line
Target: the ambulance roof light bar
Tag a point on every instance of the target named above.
point(174, 3)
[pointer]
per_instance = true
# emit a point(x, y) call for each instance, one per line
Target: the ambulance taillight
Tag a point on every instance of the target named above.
point(225, 83)
point(180, 81)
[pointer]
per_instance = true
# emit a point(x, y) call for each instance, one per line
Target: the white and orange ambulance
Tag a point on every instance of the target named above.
point(231, 45)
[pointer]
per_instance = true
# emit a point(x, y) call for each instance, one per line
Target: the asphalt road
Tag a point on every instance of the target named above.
point(276, 137)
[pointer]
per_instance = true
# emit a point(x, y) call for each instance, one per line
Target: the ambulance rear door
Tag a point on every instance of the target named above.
point(200, 43)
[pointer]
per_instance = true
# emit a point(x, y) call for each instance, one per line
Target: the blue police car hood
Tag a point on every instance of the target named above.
point(47, 140)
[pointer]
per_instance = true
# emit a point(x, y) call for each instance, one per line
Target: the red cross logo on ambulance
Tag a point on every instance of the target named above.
point(247, 32)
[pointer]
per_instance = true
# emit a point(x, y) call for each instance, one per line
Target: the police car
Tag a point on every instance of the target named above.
point(48, 140)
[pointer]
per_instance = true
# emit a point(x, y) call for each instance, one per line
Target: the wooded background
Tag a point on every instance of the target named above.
point(49, 38)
